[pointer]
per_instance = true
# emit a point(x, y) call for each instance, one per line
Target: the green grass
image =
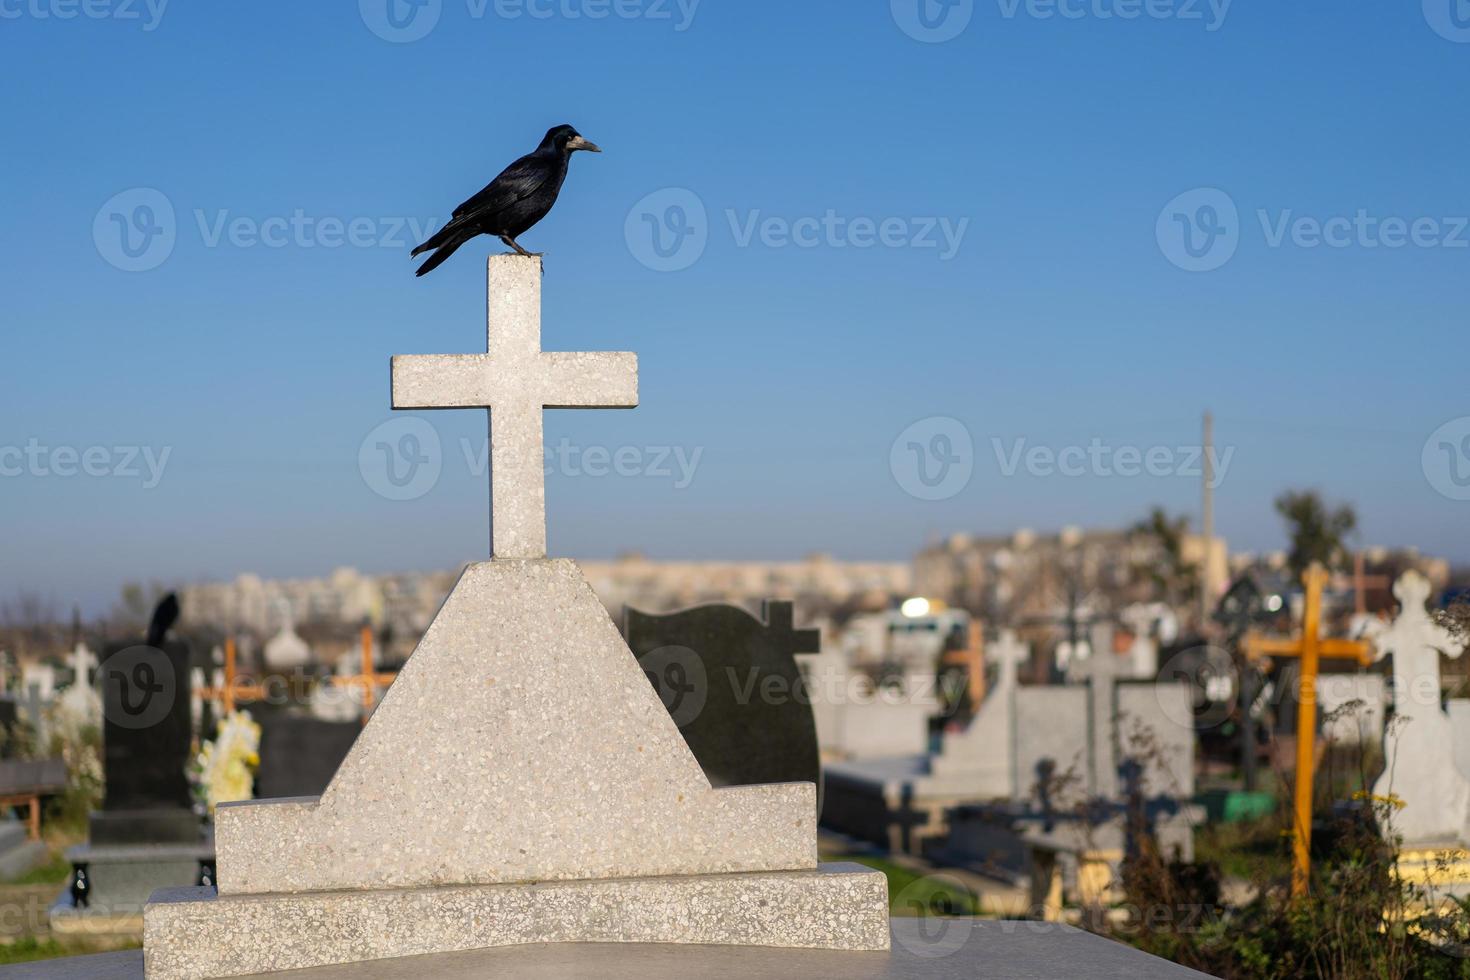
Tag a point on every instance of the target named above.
point(56, 871)
point(29, 948)
point(1252, 852)
point(906, 887)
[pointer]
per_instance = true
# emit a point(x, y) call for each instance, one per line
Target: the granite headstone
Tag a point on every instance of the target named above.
point(732, 684)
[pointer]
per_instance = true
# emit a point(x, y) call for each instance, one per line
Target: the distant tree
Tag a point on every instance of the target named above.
point(28, 620)
point(1175, 579)
point(1317, 532)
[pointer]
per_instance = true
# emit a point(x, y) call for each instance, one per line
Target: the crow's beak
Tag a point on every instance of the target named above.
point(578, 143)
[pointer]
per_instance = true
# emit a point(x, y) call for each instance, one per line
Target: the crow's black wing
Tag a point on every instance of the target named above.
point(518, 181)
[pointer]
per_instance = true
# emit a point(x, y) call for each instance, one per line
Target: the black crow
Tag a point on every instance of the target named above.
point(513, 202)
point(165, 615)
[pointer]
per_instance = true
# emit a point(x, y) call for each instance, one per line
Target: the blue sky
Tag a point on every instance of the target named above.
point(1060, 152)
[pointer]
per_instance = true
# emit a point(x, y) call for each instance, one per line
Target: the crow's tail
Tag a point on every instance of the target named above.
point(446, 247)
point(450, 231)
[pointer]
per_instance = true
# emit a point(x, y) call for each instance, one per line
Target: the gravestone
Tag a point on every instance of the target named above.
point(1419, 747)
point(520, 782)
point(982, 754)
point(980, 800)
point(299, 754)
point(732, 684)
point(146, 731)
point(10, 719)
point(1101, 672)
point(147, 835)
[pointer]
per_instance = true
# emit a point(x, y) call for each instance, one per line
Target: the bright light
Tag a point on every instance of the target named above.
point(1273, 604)
point(914, 608)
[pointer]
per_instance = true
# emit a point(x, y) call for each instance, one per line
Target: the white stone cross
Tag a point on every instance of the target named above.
point(83, 662)
point(1009, 653)
point(1419, 748)
point(1416, 642)
point(516, 380)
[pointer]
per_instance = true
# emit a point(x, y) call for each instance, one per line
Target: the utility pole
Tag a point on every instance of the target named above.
point(1206, 578)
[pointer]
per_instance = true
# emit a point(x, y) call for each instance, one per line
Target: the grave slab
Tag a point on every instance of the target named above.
point(192, 933)
point(922, 949)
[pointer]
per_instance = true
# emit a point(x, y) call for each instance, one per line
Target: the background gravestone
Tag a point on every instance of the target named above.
point(147, 835)
point(145, 739)
point(299, 754)
point(732, 685)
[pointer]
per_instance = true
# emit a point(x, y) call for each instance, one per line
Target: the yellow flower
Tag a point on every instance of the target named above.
point(1391, 800)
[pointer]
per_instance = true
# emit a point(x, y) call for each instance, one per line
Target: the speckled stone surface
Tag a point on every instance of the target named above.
point(190, 934)
point(516, 380)
point(923, 949)
point(520, 743)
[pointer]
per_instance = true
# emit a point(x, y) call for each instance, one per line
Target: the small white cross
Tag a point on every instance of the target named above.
point(515, 380)
point(1009, 652)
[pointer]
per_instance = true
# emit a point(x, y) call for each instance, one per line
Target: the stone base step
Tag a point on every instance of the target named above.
point(194, 934)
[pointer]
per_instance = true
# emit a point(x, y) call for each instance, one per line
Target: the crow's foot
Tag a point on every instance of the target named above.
point(517, 246)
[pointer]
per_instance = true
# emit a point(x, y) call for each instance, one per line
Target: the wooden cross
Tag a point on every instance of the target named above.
point(233, 689)
point(1362, 582)
point(516, 380)
point(369, 679)
point(1310, 647)
point(972, 660)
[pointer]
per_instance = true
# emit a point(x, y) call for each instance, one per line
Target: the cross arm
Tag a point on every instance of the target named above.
point(590, 380)
point(440, 381)
point(1348, 650)
point(1270, 646)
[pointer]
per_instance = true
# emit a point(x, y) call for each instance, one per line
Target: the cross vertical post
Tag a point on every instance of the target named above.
point(367, 671)
point(1310, 648)
point(229, 693)
point(515, 380)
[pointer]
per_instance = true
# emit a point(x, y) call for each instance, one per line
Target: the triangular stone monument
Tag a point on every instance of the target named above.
point(521, 782)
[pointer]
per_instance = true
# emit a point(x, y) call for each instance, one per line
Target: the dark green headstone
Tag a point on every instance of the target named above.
point(732, 685)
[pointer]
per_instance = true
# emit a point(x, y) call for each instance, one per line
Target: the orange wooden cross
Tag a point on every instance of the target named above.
point(369, 680)
point(972, 659)
point(1309, 647)
point(233, 689)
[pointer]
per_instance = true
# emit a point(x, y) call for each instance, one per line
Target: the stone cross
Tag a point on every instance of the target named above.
point(1102, 671)
point(515, 379)
point(1009, 653)
point(1419, 747)
point(83, 663)
point(1140, 621)
point(780, 619)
